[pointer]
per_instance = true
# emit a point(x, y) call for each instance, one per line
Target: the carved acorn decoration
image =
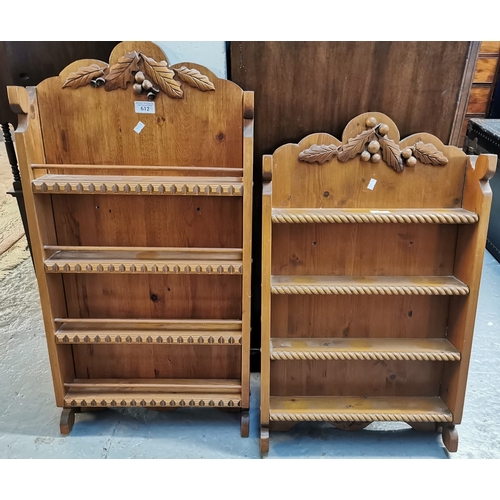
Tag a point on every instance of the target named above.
point(374, 147)
point(371, 122)
point(383, 129)
point(147, 85)
point(411, 161)
point(137, 88)
point(406, 153)
point(365, 156)
point(139, 77)
point(376, 158)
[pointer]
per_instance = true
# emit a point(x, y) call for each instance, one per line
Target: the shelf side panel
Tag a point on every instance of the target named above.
point(468, 267)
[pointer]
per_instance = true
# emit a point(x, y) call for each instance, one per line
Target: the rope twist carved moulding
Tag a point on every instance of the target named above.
point(363, 356)
point(369, 290)
point(359, 417)
point(433, 218)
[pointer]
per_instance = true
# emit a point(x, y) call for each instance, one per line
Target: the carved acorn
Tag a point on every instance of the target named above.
point(365, 156)
point(147, 85)
point(406, 153)
point(137, 88)
point(411, 161)
point(371, 122)
point(139, 77)
point(383, 129)
point(374, 147)
point(376, 158)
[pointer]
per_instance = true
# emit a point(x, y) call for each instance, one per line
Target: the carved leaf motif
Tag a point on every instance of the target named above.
point(320, 154)
point(429, 154)
point(391, 154)
point(160, 74)
point(355, 145)
point(83, 76)
point(194, 78)
point(120, 74)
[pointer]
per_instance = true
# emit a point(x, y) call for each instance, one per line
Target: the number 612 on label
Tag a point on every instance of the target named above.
point(145, 107)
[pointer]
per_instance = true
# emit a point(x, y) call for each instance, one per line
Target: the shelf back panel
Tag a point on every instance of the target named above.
point(148, 221)
point(355, 316)
point(364, 249)
point(358, 184)
point(355, 378)
point(154, 296)
point(95, 126)
point(157, 361)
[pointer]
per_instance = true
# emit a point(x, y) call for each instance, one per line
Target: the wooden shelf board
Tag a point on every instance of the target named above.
point(366, 215)
point(368, 285)
point(363, 349)
point(154, 185)
point(130, 260)
point(121, 331)
point(191, 170)
point(369, 409)
point(153, 392)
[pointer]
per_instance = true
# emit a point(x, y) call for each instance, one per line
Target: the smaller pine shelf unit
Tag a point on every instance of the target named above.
point(372, 250)
point(141, 231)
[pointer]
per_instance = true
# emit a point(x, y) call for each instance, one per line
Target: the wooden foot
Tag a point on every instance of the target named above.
point(350, 426)
point(245, 423)
point(450, 438)
point(424, 426)
point(281, 426)
point(67, 420)
point(264, 440)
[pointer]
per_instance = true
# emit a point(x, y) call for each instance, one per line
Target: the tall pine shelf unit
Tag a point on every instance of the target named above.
point(137, 177)
point(371, 262)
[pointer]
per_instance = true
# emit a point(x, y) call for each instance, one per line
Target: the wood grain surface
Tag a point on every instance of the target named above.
point(135, 265)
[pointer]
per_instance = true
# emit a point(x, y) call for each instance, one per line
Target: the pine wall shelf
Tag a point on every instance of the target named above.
point(145, 279)
point(372, 249)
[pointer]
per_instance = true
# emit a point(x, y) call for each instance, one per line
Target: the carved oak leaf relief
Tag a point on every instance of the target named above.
point(162, 76)
point(147, 75)
point(391, 154)
point(84, 76)
point(319, 154)
point(369, 144)
point(194, 78)
point(355, 145)
point(120, 74)
point(429, 154)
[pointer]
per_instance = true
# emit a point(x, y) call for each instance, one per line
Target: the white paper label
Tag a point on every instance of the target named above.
point(380, 211)
point(371, 184)
point(147, 107)
point(138, 128)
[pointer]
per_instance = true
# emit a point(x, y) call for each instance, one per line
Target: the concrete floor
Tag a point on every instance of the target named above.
point(29, 419)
